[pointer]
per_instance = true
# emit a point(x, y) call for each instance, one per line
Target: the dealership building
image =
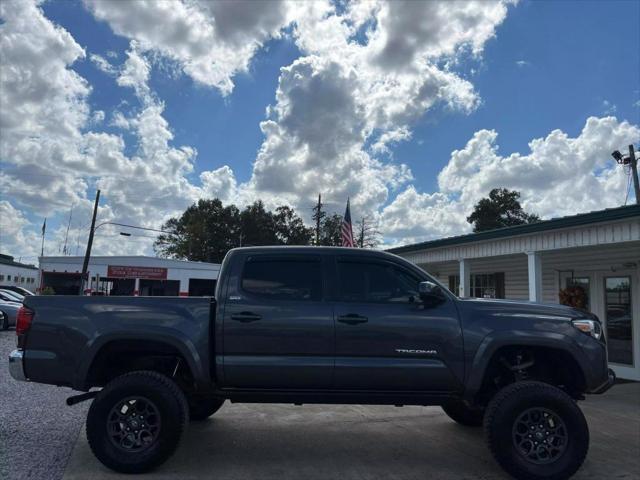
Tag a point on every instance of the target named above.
point(590, 259)
point(128, 275)
point(17, 274)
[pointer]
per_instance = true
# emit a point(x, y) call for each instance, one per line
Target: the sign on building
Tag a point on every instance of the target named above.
point(126, 271)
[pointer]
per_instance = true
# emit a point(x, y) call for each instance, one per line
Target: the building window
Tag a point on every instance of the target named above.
point(483, 285)
point(454, 284)
point(1, 278)
point(8, 278)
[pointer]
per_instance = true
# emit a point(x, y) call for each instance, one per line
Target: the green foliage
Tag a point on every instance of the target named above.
point(208, 229)
point(331, 230)
point(48, 291)
point(501, 209)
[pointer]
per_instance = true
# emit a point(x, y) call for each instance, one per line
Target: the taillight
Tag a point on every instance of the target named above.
point(23, 321)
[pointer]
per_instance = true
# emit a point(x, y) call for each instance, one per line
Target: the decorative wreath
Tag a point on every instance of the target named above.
point(574, 296)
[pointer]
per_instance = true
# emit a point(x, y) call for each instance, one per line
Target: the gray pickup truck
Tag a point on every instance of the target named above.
point(319, 325)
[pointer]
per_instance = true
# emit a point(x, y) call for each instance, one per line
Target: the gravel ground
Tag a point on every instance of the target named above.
point(37, 429)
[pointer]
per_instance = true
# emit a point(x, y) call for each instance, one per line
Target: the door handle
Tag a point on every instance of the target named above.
point(245, 317)
point(352, 319)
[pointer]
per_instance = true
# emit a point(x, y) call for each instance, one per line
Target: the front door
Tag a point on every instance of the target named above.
point(386, 337)
point(278, 330)
point(618, 315)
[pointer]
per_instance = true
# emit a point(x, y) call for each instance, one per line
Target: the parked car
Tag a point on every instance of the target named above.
point(11, 294)
point(8, 296)
point(319, 325)
point(9, 311)
point(22, 291)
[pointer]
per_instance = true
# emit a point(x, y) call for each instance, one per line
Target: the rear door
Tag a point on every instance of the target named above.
point(278, 330)
point(386, 337)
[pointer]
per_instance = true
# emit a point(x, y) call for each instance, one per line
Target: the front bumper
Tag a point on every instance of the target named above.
point(611, 379)
point(16, 365)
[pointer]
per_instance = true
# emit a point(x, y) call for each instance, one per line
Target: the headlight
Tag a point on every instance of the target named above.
point(590, 327)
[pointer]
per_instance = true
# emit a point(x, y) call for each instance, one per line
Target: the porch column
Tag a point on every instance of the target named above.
point(136, 287)
point(465, 278)
point(535, 276)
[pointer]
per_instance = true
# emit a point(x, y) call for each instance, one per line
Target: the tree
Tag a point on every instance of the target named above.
point(204, 232)
point(331, 231)
point(290, 229)
point(207, 230)
point(501, 209)
point(367, 233)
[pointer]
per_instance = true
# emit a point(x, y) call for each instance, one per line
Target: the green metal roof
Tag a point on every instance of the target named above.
point(599, 216)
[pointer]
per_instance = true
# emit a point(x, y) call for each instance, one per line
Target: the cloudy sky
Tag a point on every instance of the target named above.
point(414, 110)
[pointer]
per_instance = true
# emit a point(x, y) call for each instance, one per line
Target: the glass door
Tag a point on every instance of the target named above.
point(618, 309)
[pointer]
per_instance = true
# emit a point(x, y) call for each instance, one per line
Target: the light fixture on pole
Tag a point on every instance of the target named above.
point(633, 163)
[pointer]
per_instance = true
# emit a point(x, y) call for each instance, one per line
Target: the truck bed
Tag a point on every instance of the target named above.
point(68, 331)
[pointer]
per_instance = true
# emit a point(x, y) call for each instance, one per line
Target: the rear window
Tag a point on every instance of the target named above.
point(283, 278)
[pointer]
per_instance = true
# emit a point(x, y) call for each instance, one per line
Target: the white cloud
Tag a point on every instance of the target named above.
point(353, 88)
point(212, 41)
point(522, 63)
point(102, 64)
point(559, 176)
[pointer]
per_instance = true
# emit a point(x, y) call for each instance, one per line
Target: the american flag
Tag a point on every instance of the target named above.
point(347, 231)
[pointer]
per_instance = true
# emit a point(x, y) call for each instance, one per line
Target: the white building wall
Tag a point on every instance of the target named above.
point(17, 274)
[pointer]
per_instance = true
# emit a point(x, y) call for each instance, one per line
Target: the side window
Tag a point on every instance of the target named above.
point(376, 282)
point(283, 278)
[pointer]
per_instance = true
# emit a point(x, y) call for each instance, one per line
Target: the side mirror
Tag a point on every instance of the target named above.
point(430, 292)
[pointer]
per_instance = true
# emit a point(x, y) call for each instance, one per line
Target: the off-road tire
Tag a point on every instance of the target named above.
point(463, 414)
point(513, 401)
point(201, 408)
point(173, 413)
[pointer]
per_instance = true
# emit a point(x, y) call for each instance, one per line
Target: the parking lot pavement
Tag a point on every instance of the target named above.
point(245, 441)
point(37, 429)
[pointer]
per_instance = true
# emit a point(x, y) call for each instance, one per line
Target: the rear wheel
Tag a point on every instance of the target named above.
point(463, 414)
point(136, 421)
point(201, 408)
point(536, 431)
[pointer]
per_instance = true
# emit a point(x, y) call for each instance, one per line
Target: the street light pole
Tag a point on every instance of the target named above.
point(634, 172)
point(87, 253)
point(94, 228)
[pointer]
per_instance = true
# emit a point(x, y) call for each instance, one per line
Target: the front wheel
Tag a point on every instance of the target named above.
point(536, 431)
point(136, 421)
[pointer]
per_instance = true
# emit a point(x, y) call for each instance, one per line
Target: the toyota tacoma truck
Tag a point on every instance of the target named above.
point(319, 325)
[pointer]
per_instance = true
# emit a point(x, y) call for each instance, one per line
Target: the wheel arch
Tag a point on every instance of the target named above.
point(558, 346)
point(115, 355)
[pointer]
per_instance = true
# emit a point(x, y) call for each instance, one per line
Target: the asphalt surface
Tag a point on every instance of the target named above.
point(37, 429)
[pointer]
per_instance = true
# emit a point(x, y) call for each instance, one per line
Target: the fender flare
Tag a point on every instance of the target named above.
point(173, 339)
point(495, 340)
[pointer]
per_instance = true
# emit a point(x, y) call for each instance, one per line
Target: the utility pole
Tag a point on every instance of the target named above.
point(634, 172)
point(85, 264)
